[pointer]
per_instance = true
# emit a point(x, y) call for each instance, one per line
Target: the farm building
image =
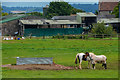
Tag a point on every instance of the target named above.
point(10, 24)
point(48, 27)
point(19, 23)
point(86, 18)
point(115, 22)
point(106, 7)
point(59, 25)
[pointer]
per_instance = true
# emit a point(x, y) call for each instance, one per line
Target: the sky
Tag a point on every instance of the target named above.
point(48, 0)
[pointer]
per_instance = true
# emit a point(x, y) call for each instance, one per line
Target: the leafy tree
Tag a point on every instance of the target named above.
point(4, 14)
point(1, 13)
point(60, 9)
point(36, 13)
point(116, 10)
point(100, 28)
point(96, 12)
point(0, 9)
point(74, 11)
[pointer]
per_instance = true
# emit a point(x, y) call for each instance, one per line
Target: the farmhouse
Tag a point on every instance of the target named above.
point(106, 7)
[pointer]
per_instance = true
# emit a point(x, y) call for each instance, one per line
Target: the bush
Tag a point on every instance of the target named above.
point(100, 28)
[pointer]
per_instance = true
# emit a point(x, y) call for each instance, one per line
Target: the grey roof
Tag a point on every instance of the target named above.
point(109, 20)
point(106, 16)
point(45, 22)
point(8, 18)
point(64, 18)
point(90, 14)
point(31, 22)
point(62, 21)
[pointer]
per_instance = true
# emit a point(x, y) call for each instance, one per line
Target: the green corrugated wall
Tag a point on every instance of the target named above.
point(52, 31)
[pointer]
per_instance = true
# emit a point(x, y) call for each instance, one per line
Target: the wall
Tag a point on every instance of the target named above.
point(10, 27)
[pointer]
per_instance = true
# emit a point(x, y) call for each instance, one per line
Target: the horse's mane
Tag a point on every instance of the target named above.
point(91, 53)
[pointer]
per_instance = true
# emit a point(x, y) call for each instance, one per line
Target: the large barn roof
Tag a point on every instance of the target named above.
point(62, 21)
point(46, 22)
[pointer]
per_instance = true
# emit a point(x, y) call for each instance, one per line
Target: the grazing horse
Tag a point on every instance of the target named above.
point(81, 56)
point(97, 59)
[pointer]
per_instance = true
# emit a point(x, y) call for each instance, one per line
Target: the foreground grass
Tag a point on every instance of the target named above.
point(63, 52)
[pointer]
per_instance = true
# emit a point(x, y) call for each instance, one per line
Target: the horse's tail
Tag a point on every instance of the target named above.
point(76, 59)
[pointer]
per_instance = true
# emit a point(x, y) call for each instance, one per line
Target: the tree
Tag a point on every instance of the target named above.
point(0, 9)
point(4, 14)
point(36, 13)
point(74, 11)
point(60, 9)
point(116, 10)
point(96, 12)
point(100, 28)
point(1, 13)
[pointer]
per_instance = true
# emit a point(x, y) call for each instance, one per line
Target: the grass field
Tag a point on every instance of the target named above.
point(63, 52)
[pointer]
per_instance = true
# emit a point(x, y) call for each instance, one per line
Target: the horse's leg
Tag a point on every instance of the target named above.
point(105, 65)
point(88, 64)
point(93, 66)
point(91, 62)
point(80, 66)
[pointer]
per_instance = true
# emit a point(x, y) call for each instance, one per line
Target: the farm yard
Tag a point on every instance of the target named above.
point(63, 52)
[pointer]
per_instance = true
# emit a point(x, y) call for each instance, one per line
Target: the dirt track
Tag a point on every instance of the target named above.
point(39, 67)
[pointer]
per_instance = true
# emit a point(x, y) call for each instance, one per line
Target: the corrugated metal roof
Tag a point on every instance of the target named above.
point(109, 20)
point(11, 17)
point(62, 21)
point(45, 22)
point(64, 17)
point(90, 14)
point(31, 22)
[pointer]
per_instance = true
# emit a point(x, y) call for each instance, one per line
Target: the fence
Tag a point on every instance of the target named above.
point(80, 36)
point(52, 31)
point(87, 36)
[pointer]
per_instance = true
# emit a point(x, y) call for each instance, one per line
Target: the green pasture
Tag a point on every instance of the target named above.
point(63, 52)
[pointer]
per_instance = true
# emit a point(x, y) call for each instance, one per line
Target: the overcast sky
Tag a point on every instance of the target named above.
point(48, 0)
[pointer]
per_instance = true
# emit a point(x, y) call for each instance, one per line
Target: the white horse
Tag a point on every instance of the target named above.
point(81, 56)
point(96, 59)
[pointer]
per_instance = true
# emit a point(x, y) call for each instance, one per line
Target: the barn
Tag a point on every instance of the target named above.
point(10, 23)
point(63, 25)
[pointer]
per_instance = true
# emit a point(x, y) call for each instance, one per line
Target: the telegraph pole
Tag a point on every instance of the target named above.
point(119, 10)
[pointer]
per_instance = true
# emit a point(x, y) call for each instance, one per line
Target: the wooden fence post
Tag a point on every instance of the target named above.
point(95, 35)
point(103, 36)
point(111, 36)
point(43, 37)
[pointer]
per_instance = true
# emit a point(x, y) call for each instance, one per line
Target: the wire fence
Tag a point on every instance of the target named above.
point(81, 36)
